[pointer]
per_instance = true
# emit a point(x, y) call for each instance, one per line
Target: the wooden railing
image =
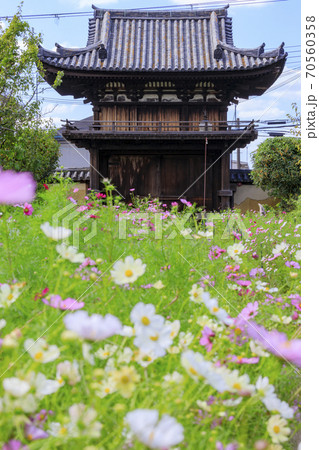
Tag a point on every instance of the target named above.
point(158, 126)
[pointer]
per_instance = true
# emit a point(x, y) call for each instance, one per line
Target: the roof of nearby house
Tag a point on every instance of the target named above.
point(130, 40)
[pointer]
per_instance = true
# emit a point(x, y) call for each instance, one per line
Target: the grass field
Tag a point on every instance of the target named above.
point(160, 328)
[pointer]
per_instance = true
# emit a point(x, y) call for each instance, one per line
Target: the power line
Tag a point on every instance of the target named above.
point(218, 3)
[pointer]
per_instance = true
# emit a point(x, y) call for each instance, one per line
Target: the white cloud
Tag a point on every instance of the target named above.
point(88, 3)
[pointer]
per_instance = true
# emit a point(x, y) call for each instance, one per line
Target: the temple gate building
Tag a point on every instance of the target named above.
point(160, 84)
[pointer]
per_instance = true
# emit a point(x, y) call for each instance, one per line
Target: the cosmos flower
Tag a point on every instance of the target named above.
point(144, 316)
point(9, 293)
point(127, 271)
point(152, 432)
point(16, 187)
point(70, 253)
point(82, 422)
point(125, 380)
point(55, 233)
point(55, 301)
point(41, 351)
point(68, 372)
point(239, 384)
point(196, 294)
point(33, 432)
point(94, 327)
point(277, 429)
point(156, 339)
point(207, 338)
point(14, 444)
point(276, 343)
point(27, 209)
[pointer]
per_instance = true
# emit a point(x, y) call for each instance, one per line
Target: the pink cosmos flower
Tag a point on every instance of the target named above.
point(215, 252)
point(244, 283)
point(183, 200)
point(296, 301)
point(75, 190)
point(16, 187)
point(33, 432)
point(207, 338)
point(174, 204)
point(42, 294)
point(293, 264)
point(250, 311)
point(69, 304)
point(257, 272)
point(13, 444)
point(276, 343)
point(27, 209)
point(72, 200)
point(242, 360)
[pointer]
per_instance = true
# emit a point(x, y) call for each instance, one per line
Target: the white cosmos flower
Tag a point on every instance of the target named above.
point(44, 386)
point(206, 234)
point(263, 387)
point(239, 384)
point(70, 253)
point(196, 293)
point(95, 327)
point(158, 285)
point(154, 339)
point(144, 316)
point(67, 371)
point(3, 323)
point(55, 233)
point(83, 421)
point(195, 364)
point(172, 379)
point(280, 248)
point(144, 359)
point(16, 386)
point(127, 271)
point(125, 356)
point(277, 429)
point(298, 255)
point(235, 250)
point(220, 313)
point(106, 351)
point(273, 403)
point(186, 231)
point(41, 351)
point(152, 432)
point(9, 294)
point(257, 349)
point(86, 352)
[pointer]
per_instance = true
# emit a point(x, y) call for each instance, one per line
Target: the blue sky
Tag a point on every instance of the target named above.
point(255, 22)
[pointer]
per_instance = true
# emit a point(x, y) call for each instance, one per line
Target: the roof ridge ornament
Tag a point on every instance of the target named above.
point(257, 52)
point(64, 52)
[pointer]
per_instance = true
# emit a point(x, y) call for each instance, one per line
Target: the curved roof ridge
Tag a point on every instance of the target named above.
point(257, 52)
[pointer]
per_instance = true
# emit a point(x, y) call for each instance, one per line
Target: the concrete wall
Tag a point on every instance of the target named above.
point(247, 197)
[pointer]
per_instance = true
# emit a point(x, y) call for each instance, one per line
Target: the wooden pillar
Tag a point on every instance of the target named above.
point(216, 180)
point(225, 192)
point(94, 169)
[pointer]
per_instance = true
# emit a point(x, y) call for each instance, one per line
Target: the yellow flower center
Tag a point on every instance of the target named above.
point(128, 273)
point(145, 320)
point(154, 338)
point(237, 331)
point(38, 356)
point(60, 380)
point(125, 379)
point(195, 294)
point(63, 430)
point(236, 251)
point(10, 297)
point(107, 390)
point(237, 386)
point(276, 429)
point(192, 371)
point(30, 437)
point(215, 309)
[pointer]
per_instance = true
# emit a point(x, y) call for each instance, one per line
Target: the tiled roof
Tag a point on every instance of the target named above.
point(128, 40)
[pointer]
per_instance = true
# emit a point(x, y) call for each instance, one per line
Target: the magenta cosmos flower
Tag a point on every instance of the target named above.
point(27, 209)
point(207, 338)
point(13, 444)
point(16, 187)
point(276, 343)
point(68, 304)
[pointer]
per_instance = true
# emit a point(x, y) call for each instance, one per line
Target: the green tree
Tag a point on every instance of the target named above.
point(26, 139)
point(276, 167)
